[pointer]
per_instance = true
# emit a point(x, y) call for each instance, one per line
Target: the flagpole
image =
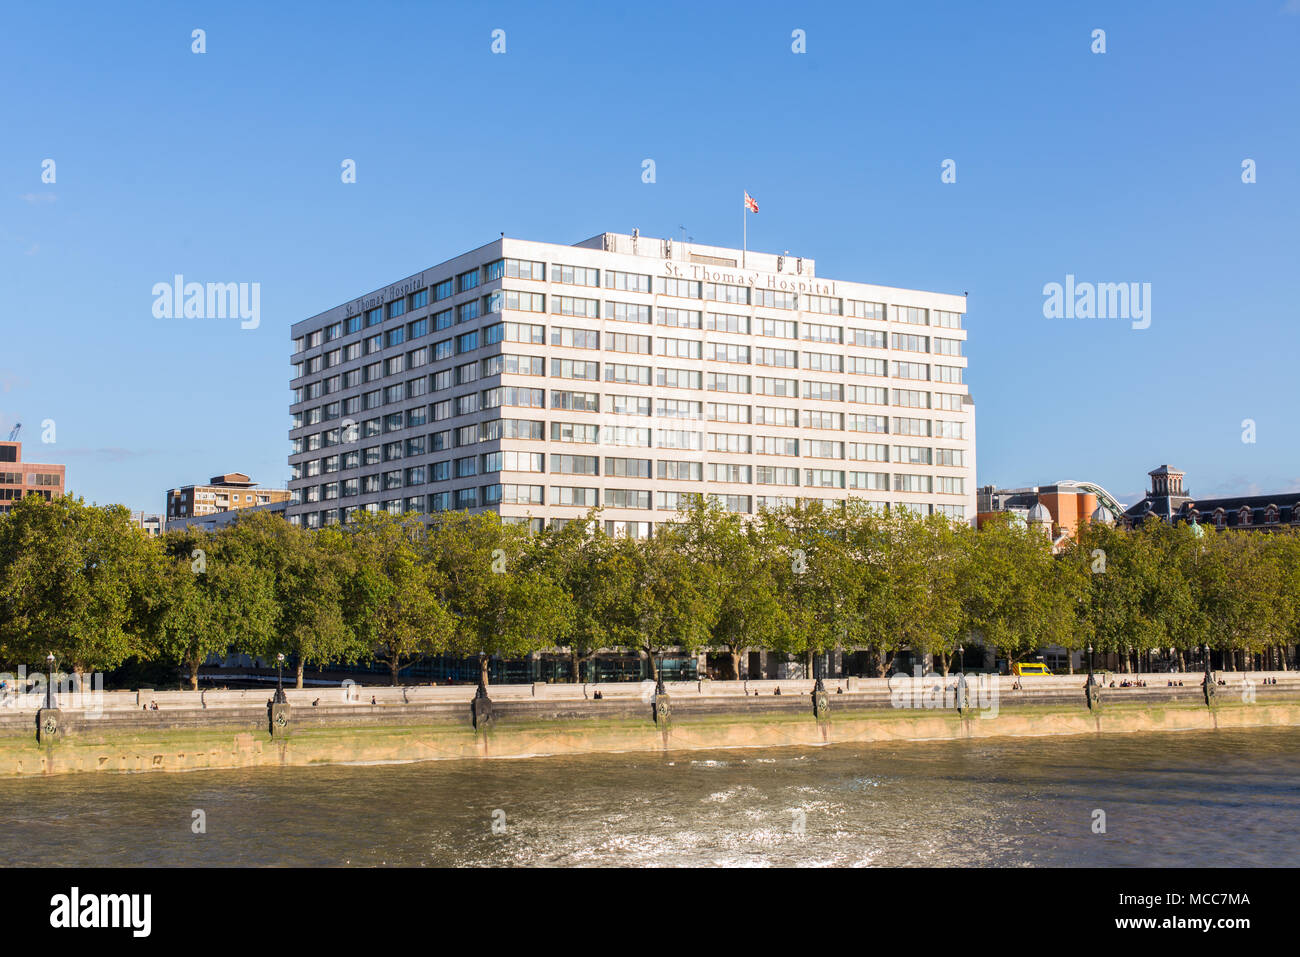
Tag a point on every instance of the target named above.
point(744, 233)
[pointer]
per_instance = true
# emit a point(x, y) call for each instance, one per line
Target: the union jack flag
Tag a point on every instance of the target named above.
point(751, 203)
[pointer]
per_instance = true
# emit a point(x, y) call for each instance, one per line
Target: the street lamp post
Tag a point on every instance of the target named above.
point(49, 688)
point(279, 681)
point(659, 673)
point(482, 691)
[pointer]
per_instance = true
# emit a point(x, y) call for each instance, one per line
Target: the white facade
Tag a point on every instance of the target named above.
point(541, 380)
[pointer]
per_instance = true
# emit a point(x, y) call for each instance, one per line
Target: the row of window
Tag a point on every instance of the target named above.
point(595, 433)
point(578, 464)
point(578, 338)
point(33, 478)
point(623, 281)
point(491, 495)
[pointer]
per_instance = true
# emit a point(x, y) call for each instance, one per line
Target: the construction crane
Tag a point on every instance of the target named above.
point(13, 433)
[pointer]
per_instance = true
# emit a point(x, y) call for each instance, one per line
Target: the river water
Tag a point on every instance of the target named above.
point(1195, 798)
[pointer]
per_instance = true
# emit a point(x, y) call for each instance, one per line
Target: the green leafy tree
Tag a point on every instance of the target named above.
point(76, 581)
point(391, 593)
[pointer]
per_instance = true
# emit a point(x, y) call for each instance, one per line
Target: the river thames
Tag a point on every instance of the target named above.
point(1190, 799)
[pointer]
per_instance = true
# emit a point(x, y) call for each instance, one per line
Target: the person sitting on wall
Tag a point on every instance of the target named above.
point(778, 690)
point(598, 696)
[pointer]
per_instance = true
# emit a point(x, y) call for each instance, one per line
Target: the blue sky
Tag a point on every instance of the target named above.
point(1115, 167)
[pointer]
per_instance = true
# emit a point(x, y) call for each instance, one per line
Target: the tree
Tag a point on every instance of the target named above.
point(1008, 577)
point(213, 600)
point(74, 581)
point(502, 600)
point(659, 601)
point(307, 571)
point(391, 592)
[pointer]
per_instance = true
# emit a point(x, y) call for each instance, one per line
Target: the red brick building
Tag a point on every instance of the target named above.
point(18, 479)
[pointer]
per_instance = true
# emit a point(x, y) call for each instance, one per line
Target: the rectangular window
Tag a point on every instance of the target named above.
point(680, 318)
point(628, 404)
point(574, 275)
point(823, 478)
point(787, 388)
point(681, 288)
point(575, 369)
point(679, 439)
point(728, 412)
point(723, 292)
point(678, 409)
point(575, 338)
point(776, 475)
point(912, 483)
point(575, 464)
point(572, 306)
point(730, 442)
point(626, 342)
point(581, 433)
point(815, 332)
point(678, 378)
point(869, 481)
point(626, 281)
point(909, 398)
point(675, 470)
point(726, 352)
point(823, 362)
point(774, 328)
point(900, 425)
point(525, 269)
point(912, 314)
point(627, 498)
point(572, 496)
point(634, 375)
point(726, 382)
point(826, 391)
point(628, 468)
point(575, 401)
point(726, 472)
point(775, 445)
point(728, 322)
point(467, 280)
point(627, 312)
point(679, 348)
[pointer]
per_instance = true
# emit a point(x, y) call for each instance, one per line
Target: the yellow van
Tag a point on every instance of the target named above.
point(1030, 668)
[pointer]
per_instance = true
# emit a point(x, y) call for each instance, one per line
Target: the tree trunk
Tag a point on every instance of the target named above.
point(943, 663)
point(1069, 660)
point(395, 666)
point(735, 664)
point(194, 676)
point(1182, 662)
point(808, 662)
point(575, 667)
point(483, 670)
point(302, 666)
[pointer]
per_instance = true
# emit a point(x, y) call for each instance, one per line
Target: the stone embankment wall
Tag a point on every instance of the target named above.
point(215, 729)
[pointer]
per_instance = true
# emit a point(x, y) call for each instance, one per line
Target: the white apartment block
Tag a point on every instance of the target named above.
point(542, 380)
